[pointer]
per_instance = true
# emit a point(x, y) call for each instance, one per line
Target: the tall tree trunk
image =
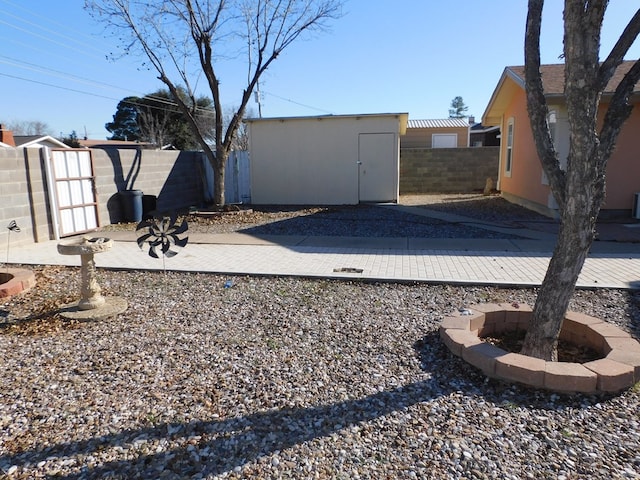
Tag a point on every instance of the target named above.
point(218, 163)
point(574, 240)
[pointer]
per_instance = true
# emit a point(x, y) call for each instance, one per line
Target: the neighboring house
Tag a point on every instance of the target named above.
point(120, 144)
point(36, 141)
point(521, 179)
point(481, 136)
point(436, 133)
point(6, 138)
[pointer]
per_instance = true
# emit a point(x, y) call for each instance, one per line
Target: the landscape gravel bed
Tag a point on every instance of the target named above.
point(364, 220)
point(210, 376)
point(287, 378)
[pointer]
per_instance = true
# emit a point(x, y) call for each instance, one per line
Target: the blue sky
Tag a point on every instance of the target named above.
point(383, 56)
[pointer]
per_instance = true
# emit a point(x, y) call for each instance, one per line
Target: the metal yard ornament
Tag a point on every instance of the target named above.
point(162, 233)
point(12, 227)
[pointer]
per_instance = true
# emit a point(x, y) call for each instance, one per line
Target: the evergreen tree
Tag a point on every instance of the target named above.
point(458, 108)
point(125, 121)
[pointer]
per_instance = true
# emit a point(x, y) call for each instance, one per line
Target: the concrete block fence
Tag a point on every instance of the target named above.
point(447, 170)
point(174, 177)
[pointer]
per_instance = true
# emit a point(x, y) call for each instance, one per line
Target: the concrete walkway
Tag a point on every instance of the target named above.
point(462, 261)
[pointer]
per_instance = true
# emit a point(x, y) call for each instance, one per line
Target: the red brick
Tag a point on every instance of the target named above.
point(627, 357)
point(525, 316)
point(457, 340)
point(493, 312)
point(10, 288)
point(511, 315)
point(456, 322)
point(521, 368)
point(613, 376)
point(478, 320)
point(626, 344)
point(609, 330)
point(569, 377)
point(20, 281)
point(483, 356)
point(582, 318)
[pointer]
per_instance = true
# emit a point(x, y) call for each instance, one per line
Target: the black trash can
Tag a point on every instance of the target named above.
point(149, 203)
point(131, 201)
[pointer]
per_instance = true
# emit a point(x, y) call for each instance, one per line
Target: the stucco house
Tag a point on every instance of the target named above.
point(37, 141)
point(521, 179)
point(436, 133)
point(482, 136)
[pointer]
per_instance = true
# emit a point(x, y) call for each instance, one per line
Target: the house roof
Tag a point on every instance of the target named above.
point(553, 77)
point(25, 141)
point(479, 128)
point(552, 82)
point(439, 123)
point(114, 144)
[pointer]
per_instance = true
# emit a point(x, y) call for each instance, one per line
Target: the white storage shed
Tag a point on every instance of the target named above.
point(325, 160)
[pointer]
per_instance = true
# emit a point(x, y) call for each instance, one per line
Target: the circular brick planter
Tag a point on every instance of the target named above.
point(618, 369)
point(15, 280)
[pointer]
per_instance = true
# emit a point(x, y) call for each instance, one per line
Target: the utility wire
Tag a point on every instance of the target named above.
point(60, 74)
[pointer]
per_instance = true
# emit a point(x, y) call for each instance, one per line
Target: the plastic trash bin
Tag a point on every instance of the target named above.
point(131, 201)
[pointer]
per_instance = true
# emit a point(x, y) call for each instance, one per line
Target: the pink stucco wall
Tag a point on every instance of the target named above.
point(623, 169)
point(526, 171)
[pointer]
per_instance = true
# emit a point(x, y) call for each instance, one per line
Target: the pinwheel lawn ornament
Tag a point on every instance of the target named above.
point(12, 227)
point(162, 235)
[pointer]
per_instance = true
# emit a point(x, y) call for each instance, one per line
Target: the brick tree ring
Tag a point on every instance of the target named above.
point(618, 369)
point(15, 280)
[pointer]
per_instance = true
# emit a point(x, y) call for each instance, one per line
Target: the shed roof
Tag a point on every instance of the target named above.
point(402, 117)
point(439, 123)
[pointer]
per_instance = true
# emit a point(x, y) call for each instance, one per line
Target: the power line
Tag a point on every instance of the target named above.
point(297, 103)
point(78, 79)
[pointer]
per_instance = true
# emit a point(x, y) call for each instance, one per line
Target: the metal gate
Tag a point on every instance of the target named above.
point(72, 184)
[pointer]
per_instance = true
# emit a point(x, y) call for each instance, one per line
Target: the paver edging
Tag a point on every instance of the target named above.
point(618, 369)
point(15, 280)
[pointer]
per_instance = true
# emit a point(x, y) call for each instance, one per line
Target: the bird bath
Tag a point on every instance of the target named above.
point(92, 304)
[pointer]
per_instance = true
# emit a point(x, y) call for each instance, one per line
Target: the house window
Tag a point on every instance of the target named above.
point(444, 140)
point(552, 123)
point(509, 152)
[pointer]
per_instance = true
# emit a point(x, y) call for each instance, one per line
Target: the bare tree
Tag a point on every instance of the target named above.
point(29, 127)
point(579, 189)
point(184, 39)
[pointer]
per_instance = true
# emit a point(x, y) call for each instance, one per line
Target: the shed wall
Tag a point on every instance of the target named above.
point(313, 161)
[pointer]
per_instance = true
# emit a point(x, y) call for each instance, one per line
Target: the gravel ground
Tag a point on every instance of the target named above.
point(287, 378)
point(368, 220)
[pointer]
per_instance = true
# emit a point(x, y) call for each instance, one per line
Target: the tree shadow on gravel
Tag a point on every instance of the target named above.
point(222, 445)
point(370, 221)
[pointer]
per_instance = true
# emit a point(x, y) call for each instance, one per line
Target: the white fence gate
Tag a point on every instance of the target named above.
point(237, 181)
point(71, 184)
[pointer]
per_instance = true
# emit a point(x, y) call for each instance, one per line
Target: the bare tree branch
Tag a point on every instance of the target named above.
point(620, 49)
point(537, 104)
point(184, 39)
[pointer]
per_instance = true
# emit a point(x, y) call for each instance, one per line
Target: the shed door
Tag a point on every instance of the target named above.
point(378, 167)
point(75, 194)
point(444, 140)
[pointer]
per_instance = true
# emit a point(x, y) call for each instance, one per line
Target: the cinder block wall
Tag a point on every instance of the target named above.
point(447, 170)
point(174, 177)
point(15, 203)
